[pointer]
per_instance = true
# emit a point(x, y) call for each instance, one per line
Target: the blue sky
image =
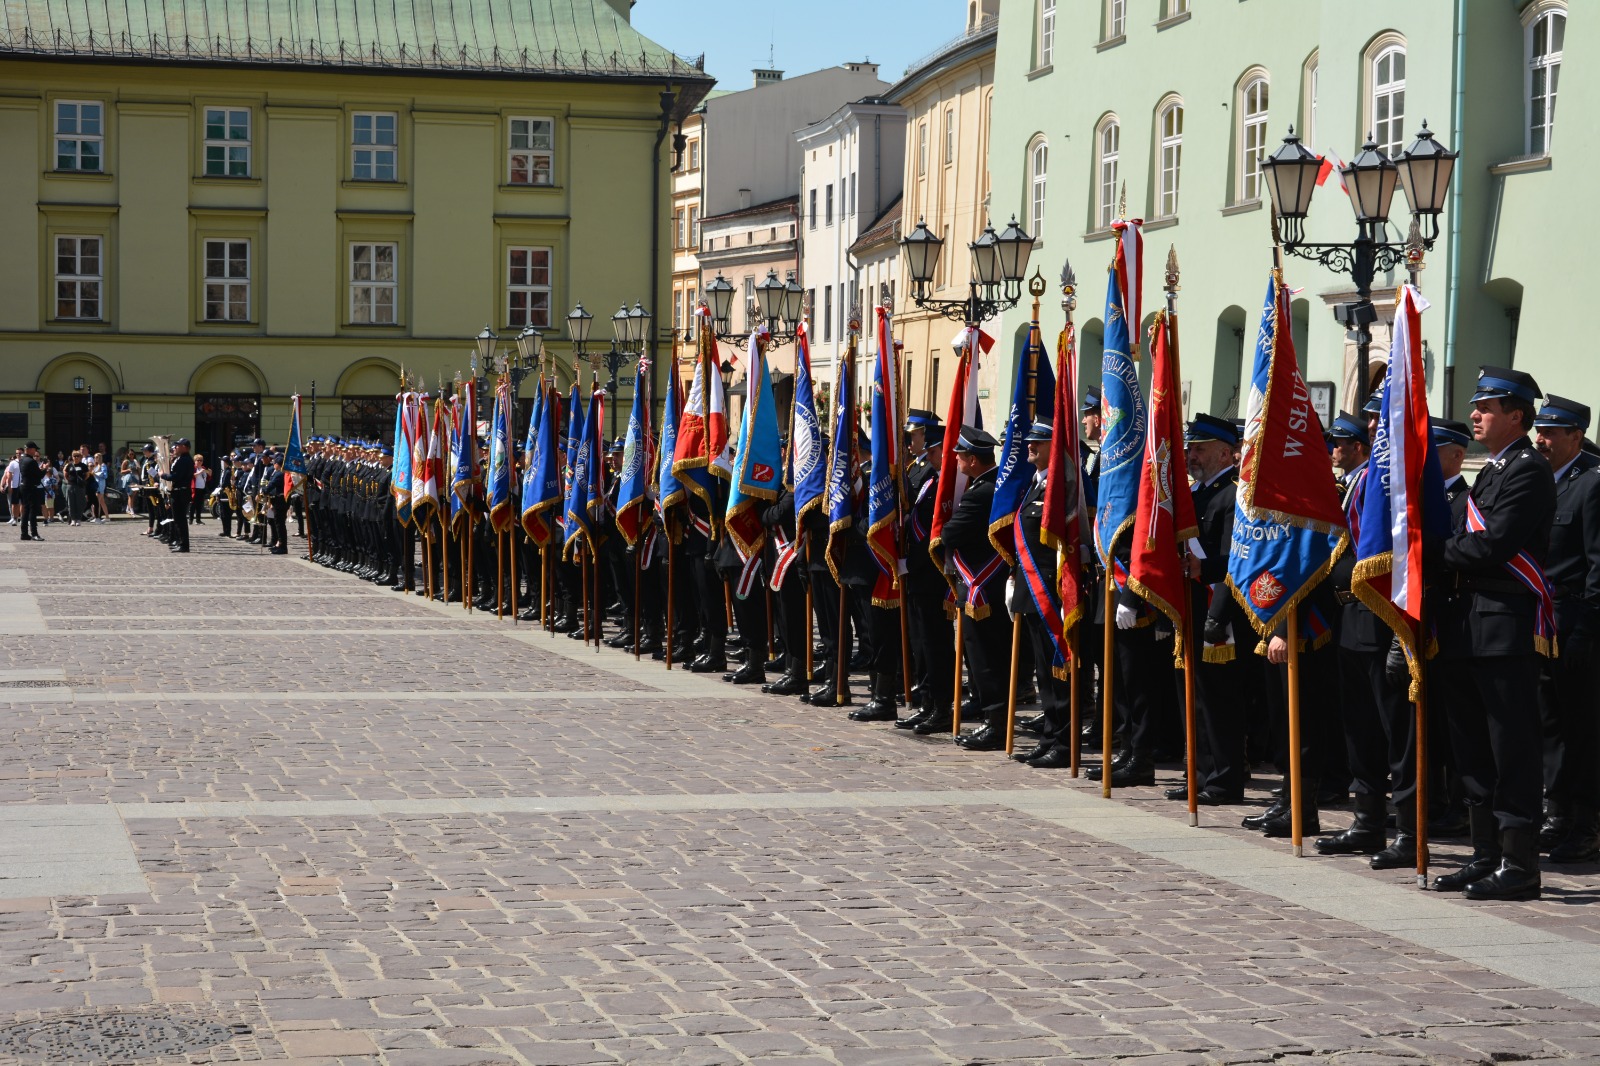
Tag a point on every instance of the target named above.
point(735, 35)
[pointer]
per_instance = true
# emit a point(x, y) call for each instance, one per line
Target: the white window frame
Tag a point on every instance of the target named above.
point(230, 289)
point(827, 312)
point(1254, 108)
point(77, 138)
point(1313, 67)
point(80, 287)
point(694, 226)
point(537, 163)
point(1169, 157)
point(232, 150)
point(1107, 167)
point(922, 149)
point(1038, 184)
point(949, 135)
point(827, 201)
point(366, 292)
point(1176, 8)
point(679, 233)
point(522, 287)
point(1116, 19)
point(1386, 100)
point(374, 149)
point(751, 311)
point(1540, 127)
point(1047, 32)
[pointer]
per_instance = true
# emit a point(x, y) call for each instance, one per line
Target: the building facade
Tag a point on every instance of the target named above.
point(947, 97)
point(1177, 102)
point(200, 224)
point(850, 172)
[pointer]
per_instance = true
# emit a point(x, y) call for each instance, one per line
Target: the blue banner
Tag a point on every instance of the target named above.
point(1122, 435)
point(807, 457)
point(1033, 399)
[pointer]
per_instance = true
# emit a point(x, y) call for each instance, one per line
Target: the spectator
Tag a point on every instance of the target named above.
point(98, 472)
point(30, 477)
point(49, 484)
point(77, 489)
point(197, 500)
point(11, 486)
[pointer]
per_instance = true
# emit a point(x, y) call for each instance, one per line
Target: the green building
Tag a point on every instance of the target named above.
point(208, 205)
point(1178, 100)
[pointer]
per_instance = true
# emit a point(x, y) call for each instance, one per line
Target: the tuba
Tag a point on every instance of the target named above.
point(163, 461)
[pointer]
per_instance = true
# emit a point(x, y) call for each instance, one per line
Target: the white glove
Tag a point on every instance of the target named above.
point(1126, 616)
point(1011, 591)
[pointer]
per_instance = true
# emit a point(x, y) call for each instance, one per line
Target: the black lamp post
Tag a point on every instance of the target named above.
point(629, 331)
point(780, 305)
point(1423, 170)
point(999, 264)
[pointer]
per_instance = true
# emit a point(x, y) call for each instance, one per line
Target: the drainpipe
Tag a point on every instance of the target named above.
point(1458, 120)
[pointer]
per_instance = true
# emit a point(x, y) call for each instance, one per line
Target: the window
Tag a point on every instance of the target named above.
point(677, 309)
point(949, 136)
point(227, 282)
point(80, 136)
point(1310, 125)
point(678, 231)
point(1389, 99)
point(1170, 135)
point(694, 227)
point(1038, 165)
point(1252, 136)
point(1116, 19)
point(1047, 32)
point(694, 154)
point(528, 287)
point(373, 150)
point(827, 312)
point(813, 215)
point(749, 302)
point(852, 181)
point(372, 283)
point(827, 219)
point(1546, 37)
point(78, 277)
point(1109, 143)
point(531, 152)
point(227, 152)
point(922, 148)
point(1176, 8)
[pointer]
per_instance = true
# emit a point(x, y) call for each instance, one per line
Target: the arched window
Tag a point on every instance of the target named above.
point(1108, 143)
point(1309, 123)
point(1169, 155)
point(1047, 32)
point(1252, 134)
point(1388, 100)
point(1038, 168)
point(1547, 32)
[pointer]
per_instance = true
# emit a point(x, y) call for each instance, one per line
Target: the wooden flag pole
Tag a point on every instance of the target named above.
point(841, 653)
point(305, 502)
point(1076, 710)
point(471, 550)
point(444, 560)
point(810, 633)
point(516, 576)
point(466, 574)
point(499, 575)
point(1011, 695)
point(1107, 674)
point(955, 712)
point(1190, 728)
point(583, 578)
point(599, 610)
point(672, 577)
point(636, 604)
point(1420, 798)
point(1296, 807)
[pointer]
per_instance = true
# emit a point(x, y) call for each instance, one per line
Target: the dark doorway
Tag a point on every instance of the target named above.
point(368, 418)
point(74, 418)
point(224, 422)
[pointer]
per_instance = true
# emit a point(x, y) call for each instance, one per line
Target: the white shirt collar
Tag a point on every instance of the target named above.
point(1559, 474)
point(1500, 455)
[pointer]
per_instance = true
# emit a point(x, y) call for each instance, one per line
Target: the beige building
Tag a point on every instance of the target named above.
point(947, 97)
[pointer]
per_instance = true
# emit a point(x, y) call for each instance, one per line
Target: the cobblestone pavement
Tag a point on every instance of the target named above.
point(251, 810)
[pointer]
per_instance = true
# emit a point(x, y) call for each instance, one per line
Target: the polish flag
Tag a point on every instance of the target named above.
point(1332, 165)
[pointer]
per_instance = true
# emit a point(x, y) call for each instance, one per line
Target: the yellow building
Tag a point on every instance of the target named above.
point(208, 211)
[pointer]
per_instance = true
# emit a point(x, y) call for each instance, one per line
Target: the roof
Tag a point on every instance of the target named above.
point(885, 227)
point(573, 38)
point(755, 209)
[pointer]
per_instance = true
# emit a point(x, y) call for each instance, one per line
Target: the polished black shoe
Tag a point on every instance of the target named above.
point(708, 664)
point(1215, 797)
point(625, 637)
point(1032, 724)
point(1178, 792)
point(1553, 831)
point(875, 711)
point(1333, 797)
point(1357, 840)
point(1259, 821)
point(775, 663)
point(1582, 843)
point(1511, 883)
point(987, 737)
point(1474, 871)
point(941, 722)
point(826, 695)
point(1032, 753)
point(1282, 824)
point(1118, 760)
point(787, 685)
point(750, 673)
point(1133, 773)
point(1057, 758)
point(914, 720)
point(1400, 855)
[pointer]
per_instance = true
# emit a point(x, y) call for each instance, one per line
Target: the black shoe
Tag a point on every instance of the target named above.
point(787, 685)
point(1553, 831)
point(1486, 852)
point(708, 664)
point(750, 673)
point(912, 721)
point(1118, 760)
point(1333, 797)
point(1473, 872)
point(1357, 840)
point(1033, 724)
point(775, 663)
point(1032, 753)
point(875, 711)
point(1582, 843)
point(275, 551)
point(941, 722)
point(1178, 792)
point(1259, 821)
point(1133, 773)
point(1400, 855)
point(1057, 758)
point(1518, 875)
point(1215, 797)
point(1449, 824)
point(988, 737)
point(1282, 824)
point(827, 695)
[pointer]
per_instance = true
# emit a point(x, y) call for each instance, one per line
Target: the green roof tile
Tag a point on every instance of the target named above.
point(527, 37)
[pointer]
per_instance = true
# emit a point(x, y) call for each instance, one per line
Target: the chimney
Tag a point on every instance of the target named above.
point(766, 77)
point(858, 68)
point(624, 8)
point(744, 199)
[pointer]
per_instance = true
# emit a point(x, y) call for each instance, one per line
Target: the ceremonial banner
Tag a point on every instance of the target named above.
point(1065, 513)
point(294, 456)
point(883, 486)
point(633, 493)
point(669, 490)
point(1123, 437)
point(841, 462)
point(1032, 399)
point(424, 490)
point(758, 459)
point(1404, 499)
point(703, 427)
point(963, 411)
point(400, 470)
point(585, 478)
point(500, 505)
point(1277, 557)
point(1165, 516)
point(808, 458)
point(464, 476)
point(541, 487)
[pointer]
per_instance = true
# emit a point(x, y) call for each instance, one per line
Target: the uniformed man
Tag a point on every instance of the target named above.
point(981, 590)
point(181, 475)
point(1447, 812)
point(926, 590)
point(1493, 627)
point(1569, 688)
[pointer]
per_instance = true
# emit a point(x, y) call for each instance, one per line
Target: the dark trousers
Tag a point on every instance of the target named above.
point(1569, 709)
point(1496, 741)
point(933, 645)
point(751, 615)
point(1319, 691)
point(713, 608)
point(1380, 730)
point(1140, 671)
point(790, 600)
point(986, 643)
point(180, 518)
point(31, 501)
point(1055, 697)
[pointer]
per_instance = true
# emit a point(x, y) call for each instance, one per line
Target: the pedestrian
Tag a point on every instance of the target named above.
point(48, 485)
point(99, 471)
point(77, 489)
point(202, 477)
point(30, 478)
point(11, 486)
point(181, 475)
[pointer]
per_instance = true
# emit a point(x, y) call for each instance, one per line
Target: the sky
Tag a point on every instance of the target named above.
point(739, 35)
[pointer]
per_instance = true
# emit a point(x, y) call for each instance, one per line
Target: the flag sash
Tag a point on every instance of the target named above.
point(1044, 599)
point(1526, 569)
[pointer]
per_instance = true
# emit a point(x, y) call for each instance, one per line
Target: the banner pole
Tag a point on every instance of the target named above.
point(1420, 798)
point(636, 604)
point(1107, 673)
point(810, 634)
point(471, 577)
point(583, 579)
point(499, 575)
point(599, 610)
point(1296, 808)
point(955, 712)
point(1190, 728)
point(516, 575)
point(841, 653)
point(1011, 696)
point(1076, 710)
point(672, 587)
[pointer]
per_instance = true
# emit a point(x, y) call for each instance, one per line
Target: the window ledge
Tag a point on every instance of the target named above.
point(529, 187)
point(224, 179)
point(84, 322)
point(365, 183)
point(1039, 72)
point(79, 175)
point(1522, 164)
point(376, 327)
point(1099, 235)
point(1174, 20)
point(229, 327)
point(1111, 42)
point(1160, 223)
point(1244, 207)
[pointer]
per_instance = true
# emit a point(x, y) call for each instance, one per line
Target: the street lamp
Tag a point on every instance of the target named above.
point(578, 322)
point(629, 331)
point(999, 264)
point(1370, 178)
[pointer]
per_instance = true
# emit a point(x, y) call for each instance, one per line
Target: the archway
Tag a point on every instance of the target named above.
point(1228, 364)
point(227, 405)
point(78, 389)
